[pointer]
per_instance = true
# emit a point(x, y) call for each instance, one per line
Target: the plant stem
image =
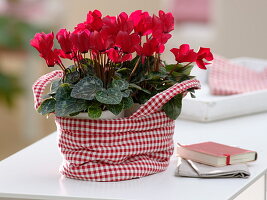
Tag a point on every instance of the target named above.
point(135, 67)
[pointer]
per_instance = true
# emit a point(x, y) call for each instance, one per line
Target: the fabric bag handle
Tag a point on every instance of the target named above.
point(157, 101)
point(39, 86)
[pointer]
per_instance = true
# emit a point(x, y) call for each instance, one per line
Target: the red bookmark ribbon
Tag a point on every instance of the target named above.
point(227, 159)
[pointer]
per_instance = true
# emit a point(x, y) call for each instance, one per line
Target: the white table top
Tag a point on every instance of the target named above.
point(33, 172)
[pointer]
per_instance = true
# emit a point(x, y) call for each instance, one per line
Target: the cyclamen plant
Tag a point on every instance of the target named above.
point(116, 63)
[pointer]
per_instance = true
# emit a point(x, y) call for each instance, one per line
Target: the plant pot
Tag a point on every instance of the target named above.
point(105, 115)
point(116, 149)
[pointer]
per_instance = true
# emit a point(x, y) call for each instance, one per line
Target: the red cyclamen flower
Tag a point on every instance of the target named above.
point(112, 25)
point(62, 54)
point(150, 47)
point(142, 22)
point(203, 53)
point(184, 54)
point(117, 56)
point(167, 20)
point(127, 42)
point(51, 58)
point(100, 42)
point(94, 21)
point(162, 37)
point(81, 40)
point(43, 42)
point(63, 37)
point(124, 23)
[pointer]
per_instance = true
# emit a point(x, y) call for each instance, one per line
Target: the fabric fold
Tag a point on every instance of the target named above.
point(188, 168)
point(227, 78)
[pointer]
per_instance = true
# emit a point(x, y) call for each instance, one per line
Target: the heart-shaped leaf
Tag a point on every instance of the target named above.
point(127, 102)
point(173, 107)
point(109, 96)
point(63, 92)
point(48, 106)
point(115, 109)
point(72, 77)
point(126, 93)
point(69, 106)
point(87, 88)
point(120, 84)
point(94, 111)
point(55, 85)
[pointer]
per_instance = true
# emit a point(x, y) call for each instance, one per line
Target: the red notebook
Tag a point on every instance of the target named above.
point(215, 154)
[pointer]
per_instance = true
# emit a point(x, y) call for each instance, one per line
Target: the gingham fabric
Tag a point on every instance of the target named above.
point(117, 149)
point(226, 78)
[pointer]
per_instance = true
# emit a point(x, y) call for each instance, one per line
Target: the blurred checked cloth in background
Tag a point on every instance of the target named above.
point(226, 78)
point(196, 11)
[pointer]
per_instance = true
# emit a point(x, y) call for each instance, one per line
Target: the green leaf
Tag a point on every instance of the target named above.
point(63, 92)
point(72, 77)
point(109, 96)
point(74, 114)
point(156, 76)
point(170, 67)
point(187, 70)
point(94, 111)
point(173, 107)
point(163, 70)
point(46, 96)
point(123, 70)
point(69, 106)
point(127, 102)
point(115, 109)
point(133, 85)
point(120, 84)
point(174, 67)
point(89, 70)
point(143, 98)
point(48, 106)
point(87, 88)
point(55, 85)
point(126, 93)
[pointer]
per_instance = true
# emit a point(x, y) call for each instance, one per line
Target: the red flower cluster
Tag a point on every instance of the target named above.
point(185, 54)
point(117, 37)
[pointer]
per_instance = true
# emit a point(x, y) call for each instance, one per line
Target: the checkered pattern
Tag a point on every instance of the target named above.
point(117, 149)
point(226, 78)
point(39, 86)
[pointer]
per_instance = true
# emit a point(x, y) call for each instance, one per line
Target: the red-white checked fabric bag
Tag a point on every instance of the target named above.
point(117, 149)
